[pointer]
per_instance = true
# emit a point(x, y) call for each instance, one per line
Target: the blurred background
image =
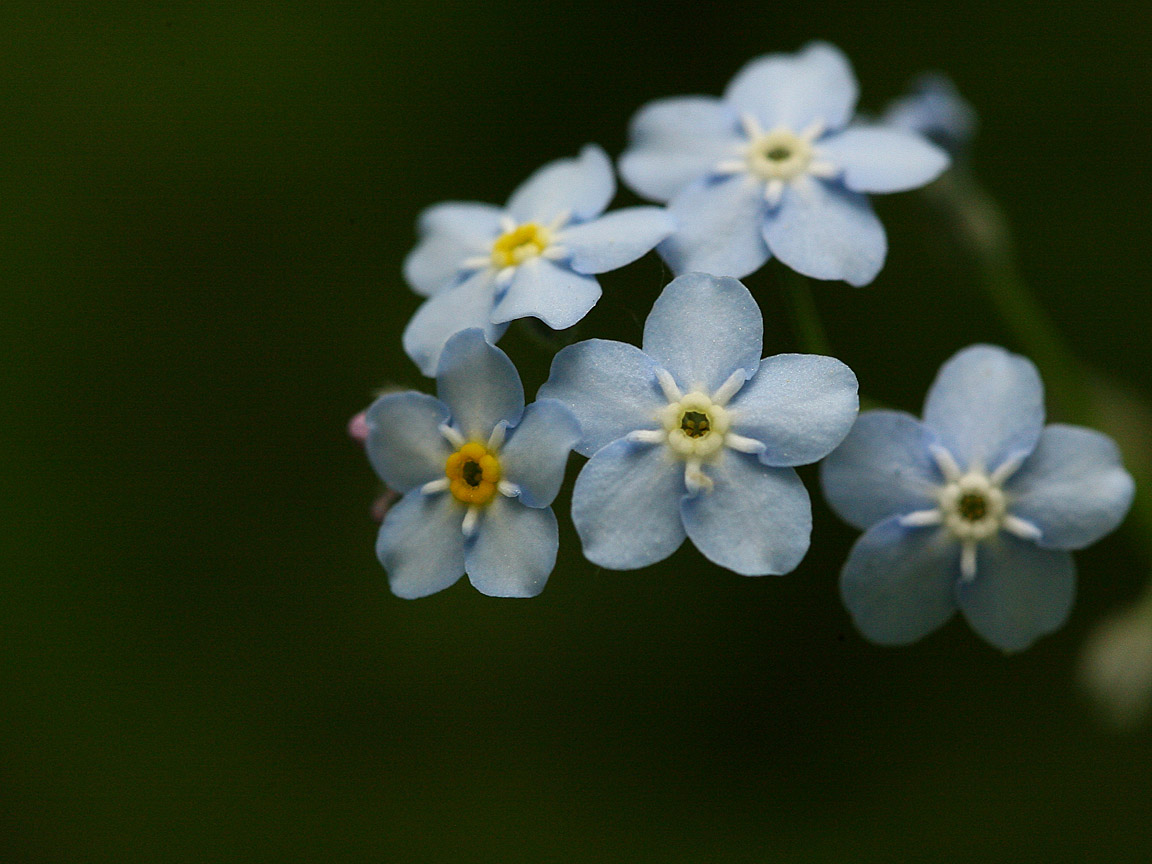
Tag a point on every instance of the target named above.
point(203, 212)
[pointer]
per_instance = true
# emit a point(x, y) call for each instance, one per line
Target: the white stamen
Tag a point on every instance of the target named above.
point(1022, 528)
point(668, 385)
point(508, 489)
point(730, 166)
point(507, 224)
point(946, 463)
point(825, 170)
point(434, 486)
point(648, 436)
point(922, 518)
point(555, 253)
point(504, 277)
point(499, 432)
point(743, 444)
point(813, 130)
point(752, 127)
point(968, 560)
point(471, 518)
point(476, 262)
point(729, 388)
point(453, 437)
point(695, 479)
point(560, 221)
point(1006, 470)
point(773, 192)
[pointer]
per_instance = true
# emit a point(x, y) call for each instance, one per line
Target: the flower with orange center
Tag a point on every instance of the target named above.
point(473, 474)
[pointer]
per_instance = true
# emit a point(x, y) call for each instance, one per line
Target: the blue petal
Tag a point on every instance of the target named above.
point(703, 328)
point(875, 159)
point(514, 550)
point(936, 110)
point(404, 444)
point(467, 305)
point(827, 232)
point(610, 387)
point(755, 520)
point(899, 583)
point(626, 505)
point(799, 405)
point(479, 384)
point(814, 85)
point(450, 233)
point(1073, 487)
point(581, 187)
point(615, 239)
point(986, 405)
point(421, 545)
point(676, 141)
point(718, 228)
point(536, 453)
point(882, 469)
point(555, 294)
point(1021, 592)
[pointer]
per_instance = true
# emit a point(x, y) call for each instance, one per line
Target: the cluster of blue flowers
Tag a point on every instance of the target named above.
point(695, 434)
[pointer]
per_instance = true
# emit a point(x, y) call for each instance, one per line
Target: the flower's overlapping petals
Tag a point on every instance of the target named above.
point(536, 451)
point(827, 232)
point(936, 110)
point(469, 304)
point(626, 505)
point(479, 384)
point(615, 239)
point(581, 187)
point(899, 583)
point(814, 86)
point(1073, 487)
point(676, 141)
point(878, 159)
point(1021, 592)
point(514, 549)
point(450, 233)
point(403, 443)
point(882, 469)
point(987, 406)
point(556, 295)
point(755, 521)
point(610, 387)
point(421, 545)
point(800, 406)
point(718, 228)
point(702, 328)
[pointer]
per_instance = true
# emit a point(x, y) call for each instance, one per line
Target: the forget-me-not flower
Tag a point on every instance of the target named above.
point(775, 168)
point(935, 109)
point(974, 508)
point(483, 266)
point(477, 471)
point(695, 435)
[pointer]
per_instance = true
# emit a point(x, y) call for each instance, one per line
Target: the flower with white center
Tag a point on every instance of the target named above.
point(695, 435)
point(477, 471)
point(974, 508)
point(775, 168)
point(483, 266)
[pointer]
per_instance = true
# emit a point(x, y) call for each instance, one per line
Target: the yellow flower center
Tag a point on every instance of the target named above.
point(473, 473)
point(520, 244)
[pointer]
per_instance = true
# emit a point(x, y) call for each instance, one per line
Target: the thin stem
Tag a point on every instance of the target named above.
point(805, 315)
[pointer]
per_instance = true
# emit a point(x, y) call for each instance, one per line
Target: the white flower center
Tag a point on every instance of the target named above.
point(780, 157)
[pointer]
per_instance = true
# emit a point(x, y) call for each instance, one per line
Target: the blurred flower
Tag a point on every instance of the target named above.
point(974, 508)
point(935, 109)
point(1116, 666)
point(775, 168)
point(695, 434)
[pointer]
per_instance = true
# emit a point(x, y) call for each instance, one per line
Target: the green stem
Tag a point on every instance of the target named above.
point(805, 315)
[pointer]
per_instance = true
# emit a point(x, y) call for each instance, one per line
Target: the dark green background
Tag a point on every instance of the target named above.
point(203, 211)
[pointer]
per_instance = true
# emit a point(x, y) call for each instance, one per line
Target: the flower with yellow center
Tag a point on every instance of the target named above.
point(518, 245)
point(473, 474)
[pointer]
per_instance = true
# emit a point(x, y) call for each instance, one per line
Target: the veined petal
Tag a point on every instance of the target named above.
point(879, 159)
point(514, 550)
point(1073, 487)
point(616, 238)
point(718, 228)
point(451, 233)
point(468, 304)
point(626, 505)
point(702, 328)
point(403, 443)
point(554, 293)
point(421, 545)
point(582, 187)
point(799, 405)
point(755, 520)
point(536, 452)
point(479, 384)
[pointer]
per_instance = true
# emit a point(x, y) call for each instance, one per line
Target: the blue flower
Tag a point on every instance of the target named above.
point(483, 266)
point(935, 109)
point(478, 472)
point(974, 508)
point(696, 435)
point(774, 168)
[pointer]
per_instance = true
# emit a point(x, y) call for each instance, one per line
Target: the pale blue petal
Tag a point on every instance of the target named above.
point(796, 90)
point(403, 443)
point(536, 452)
point(676, 141)
point(626, 505)
point(827, 232)
point(421, 545)
point(986, 405)
point(703, 328)
point(899, 584)
point(936, 110)
point(1021, 592)
point(799, 405)
point(1073, 487)
point(552, 292)
point(610, 387)
point(450, 234)
point(755, 520)
point(876, 159)
point(615, 239)
point(514, 550)
point(581, 187)
point(718, 228)
point(469, 304)
point(882, 469)
point(479, 384)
